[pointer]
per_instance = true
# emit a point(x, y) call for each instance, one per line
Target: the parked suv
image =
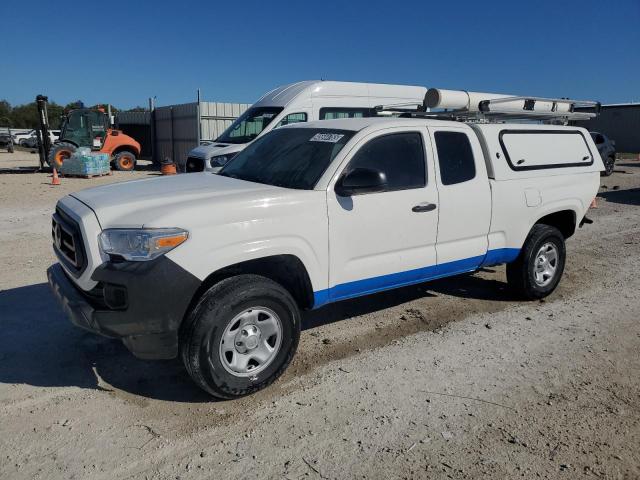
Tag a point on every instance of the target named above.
point(607, 149)
point(217, 268)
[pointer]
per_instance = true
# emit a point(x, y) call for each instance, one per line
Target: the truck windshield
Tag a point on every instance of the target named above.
point(288, 157)
point(249, 125)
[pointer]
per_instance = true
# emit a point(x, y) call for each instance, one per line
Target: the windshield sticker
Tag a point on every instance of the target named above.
point(326, 137)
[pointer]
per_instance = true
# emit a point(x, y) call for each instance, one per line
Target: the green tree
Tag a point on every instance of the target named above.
point(26, 116)
point(5, 113)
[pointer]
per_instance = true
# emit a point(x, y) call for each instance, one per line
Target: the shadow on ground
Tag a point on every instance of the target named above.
point(40, 347)
point(626, 197)
point(463, 286)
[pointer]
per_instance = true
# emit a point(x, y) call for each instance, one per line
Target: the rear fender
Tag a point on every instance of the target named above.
point(118, 142)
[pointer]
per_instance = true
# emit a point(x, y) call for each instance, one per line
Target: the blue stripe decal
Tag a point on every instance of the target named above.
point(358, 288)
point(500, 255)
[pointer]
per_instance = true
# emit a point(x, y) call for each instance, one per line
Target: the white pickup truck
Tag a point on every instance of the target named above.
point(217, 267)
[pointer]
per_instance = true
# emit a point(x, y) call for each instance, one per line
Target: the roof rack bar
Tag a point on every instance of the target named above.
point(465, 116)
point(556, 104)
point(464, 106)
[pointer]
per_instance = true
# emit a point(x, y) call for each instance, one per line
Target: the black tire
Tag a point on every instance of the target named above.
point(124, 161)
point(23, 143)
point(521, 274)
point(201, 335)
point(609, 165)
point(58, 153)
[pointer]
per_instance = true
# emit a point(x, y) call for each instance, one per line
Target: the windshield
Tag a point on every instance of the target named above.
point(288, 157)
point(249, 125)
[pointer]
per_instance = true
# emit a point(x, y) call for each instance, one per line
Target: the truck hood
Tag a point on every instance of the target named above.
point(216, 148)
point(175, 199)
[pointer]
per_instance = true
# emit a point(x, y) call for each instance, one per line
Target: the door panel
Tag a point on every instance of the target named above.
point(465, 199)
point(377, 240)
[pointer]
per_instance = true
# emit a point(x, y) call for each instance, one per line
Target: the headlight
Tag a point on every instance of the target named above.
point(141, 245)
point(221, 160)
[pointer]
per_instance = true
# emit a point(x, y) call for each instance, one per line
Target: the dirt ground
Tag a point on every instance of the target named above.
point(450, 379)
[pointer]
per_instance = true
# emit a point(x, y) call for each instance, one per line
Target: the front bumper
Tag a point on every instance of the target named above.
point(149, 304)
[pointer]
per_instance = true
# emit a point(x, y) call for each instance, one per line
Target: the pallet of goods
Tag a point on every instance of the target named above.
point(85, 163)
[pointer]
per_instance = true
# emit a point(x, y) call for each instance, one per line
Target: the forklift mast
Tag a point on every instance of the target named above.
point(44, 140)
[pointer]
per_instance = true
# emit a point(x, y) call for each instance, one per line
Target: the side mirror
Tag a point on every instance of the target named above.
point(361, 180)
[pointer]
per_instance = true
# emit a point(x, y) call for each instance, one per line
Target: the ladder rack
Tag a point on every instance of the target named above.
point(495, 108)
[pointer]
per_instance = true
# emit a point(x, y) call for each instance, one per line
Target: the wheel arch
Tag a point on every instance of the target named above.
point(62, 142)
point(564, 220)
point(287, 270)
point(125, 148)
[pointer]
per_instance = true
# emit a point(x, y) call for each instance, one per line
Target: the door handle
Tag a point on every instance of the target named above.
point(424, 207)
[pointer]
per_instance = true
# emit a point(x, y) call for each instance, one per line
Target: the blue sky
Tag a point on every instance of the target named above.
point(125, 52)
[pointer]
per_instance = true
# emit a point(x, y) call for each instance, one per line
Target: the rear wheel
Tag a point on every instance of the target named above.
point(59, 153)
point(538, 269)
point(124, 161)
point(609, 164)
point(241, 336)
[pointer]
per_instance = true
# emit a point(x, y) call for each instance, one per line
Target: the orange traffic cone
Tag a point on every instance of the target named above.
point(55, 180)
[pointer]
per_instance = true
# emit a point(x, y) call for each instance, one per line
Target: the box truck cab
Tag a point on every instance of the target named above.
point(299, 102)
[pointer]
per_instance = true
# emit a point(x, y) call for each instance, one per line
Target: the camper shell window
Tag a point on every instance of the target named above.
point(543, 149)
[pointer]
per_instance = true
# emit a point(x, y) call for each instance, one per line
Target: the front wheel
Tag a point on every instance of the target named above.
point(125, 161)
point(59, 153)
point(241, 336)
point(538, 269)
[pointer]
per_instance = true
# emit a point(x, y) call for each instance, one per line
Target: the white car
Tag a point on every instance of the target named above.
point(216, 268)
point(21, 138)
point(32, 140)
point(299, 102)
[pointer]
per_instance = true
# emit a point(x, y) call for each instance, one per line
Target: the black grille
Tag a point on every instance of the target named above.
point(67, 242)
point(194, 164)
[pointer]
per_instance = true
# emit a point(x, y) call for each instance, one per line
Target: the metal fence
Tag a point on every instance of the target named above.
point(620, 123)
point(138, 126)
point(172, 131)
point(216, 117)
point(176, 131)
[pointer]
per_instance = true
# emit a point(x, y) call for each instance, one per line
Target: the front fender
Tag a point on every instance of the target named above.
point(211, 260)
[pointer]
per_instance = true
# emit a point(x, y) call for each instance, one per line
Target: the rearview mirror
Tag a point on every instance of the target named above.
point(361, 180)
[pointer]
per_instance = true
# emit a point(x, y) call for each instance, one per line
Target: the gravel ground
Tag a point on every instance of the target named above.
point(450, 379)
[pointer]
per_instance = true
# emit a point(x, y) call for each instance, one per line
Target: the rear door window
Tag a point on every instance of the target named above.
point(538, 149)
point(455, 157)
